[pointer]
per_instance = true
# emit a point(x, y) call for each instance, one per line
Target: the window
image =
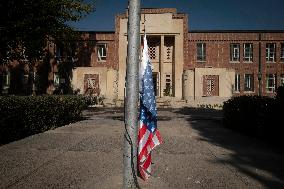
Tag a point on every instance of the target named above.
point(56, 79)
point(237, 83)
point(101, 49)
point(168, 89)
point(25, 79)
point(282, 53)
point(248, 52)
point(235, 52)
point(201, 51)
point(249, 82)
point(270, 52)
point(152, 52)
point(210, 85)
point(59, 53)
point(270, 83)
point(6, 79)
point(5, 82)
point(282, 80)
point(91, 83)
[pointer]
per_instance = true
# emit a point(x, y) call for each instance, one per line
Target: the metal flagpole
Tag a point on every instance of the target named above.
point(132, 96)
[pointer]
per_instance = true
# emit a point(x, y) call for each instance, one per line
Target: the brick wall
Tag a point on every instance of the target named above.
point(218, 54)
point(88, 55)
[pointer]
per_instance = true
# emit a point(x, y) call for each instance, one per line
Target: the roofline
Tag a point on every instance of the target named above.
point(236, 31)
point(97, 32)
point(200, 31)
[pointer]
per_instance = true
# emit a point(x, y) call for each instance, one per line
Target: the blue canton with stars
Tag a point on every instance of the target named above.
point(148, 110)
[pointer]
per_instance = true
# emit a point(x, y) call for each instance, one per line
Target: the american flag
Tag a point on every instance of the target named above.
point(148, 134)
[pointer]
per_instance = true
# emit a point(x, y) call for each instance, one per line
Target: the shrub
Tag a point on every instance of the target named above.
point(167, 90)
point(280, 92)
point(255, 116)
point(21, 116)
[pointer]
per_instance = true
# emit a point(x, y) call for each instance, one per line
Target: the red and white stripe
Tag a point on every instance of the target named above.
point(147, 141)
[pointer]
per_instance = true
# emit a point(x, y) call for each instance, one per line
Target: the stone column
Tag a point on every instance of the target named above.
point(178, 66)
point(162, 79)
point(122, 53)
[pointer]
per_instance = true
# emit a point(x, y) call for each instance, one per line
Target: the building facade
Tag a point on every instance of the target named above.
point(191, 65)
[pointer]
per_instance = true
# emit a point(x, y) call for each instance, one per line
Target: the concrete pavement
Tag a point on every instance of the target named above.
point(197, 153)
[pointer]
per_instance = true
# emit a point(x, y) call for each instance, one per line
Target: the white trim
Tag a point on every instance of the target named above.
point(102, 52)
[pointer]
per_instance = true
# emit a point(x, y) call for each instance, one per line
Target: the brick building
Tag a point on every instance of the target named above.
point(209, 66)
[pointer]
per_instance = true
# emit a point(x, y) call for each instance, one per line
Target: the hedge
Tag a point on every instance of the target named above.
point(256, 116)
point(21, 116)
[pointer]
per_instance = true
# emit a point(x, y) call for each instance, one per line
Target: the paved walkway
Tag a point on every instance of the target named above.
point(197, 153)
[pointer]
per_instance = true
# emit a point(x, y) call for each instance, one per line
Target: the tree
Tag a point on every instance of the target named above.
point(28, 24)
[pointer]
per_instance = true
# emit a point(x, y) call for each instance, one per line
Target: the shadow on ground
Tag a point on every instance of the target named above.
point(116, 113)
point(249, 156)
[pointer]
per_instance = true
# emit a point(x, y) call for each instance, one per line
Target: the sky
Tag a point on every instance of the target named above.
point(202, 14)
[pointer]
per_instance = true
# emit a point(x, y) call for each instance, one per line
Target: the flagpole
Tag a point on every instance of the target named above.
point(132, 96)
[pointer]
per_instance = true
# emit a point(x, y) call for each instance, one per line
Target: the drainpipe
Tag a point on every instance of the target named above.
point(259, 75)
point(194, 75)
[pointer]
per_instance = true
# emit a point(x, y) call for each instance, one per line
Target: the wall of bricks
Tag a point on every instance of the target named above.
point(218, 54)
point(87, 48)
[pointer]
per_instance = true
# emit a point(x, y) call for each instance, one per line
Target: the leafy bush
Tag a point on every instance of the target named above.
point(21, 116)
point(167, 90)
point(255, 116)
point(280, 92)
point(94, 100)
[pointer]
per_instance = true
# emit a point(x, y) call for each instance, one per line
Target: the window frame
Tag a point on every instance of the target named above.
point(268, 78)
point(282, 52)
point(201, 47)
point(235, 50)
point(101, 55)
point(6, 79)
point(249, 58)
point(237, 85)
point(56, 79)
point(268, 53)
point(281, 80)
point(249, 84)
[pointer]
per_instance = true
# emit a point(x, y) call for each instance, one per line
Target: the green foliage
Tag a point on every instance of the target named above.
point(280, 92)
point(28, 23)
point(94, 100)
point(255, 116)
point(22, 116)
point(167, 91)
point(210, 106)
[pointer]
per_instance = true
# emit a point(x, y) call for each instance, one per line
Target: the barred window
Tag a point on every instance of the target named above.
point(152, 52)
point(169, 53)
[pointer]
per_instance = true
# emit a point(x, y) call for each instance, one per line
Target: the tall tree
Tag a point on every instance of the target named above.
point(28, 23)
